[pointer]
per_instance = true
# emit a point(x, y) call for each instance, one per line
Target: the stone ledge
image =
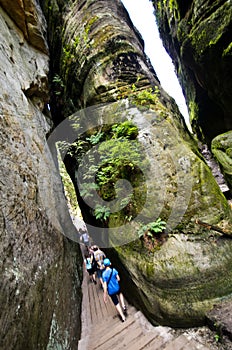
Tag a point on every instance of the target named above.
point(220, 318)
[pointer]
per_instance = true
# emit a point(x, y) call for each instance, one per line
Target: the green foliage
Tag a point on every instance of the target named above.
point(59, 85)
point(194, 109)
point(227, 51)
point(88, 26)
point(88, 189)
point(67, 54)
point(57, 79)
point(126, 129)
point(101, 213)
point(118, 156)
point(118, 159)
point(145, 97)
point(78, 147)
point(95, 138)
point(76, 42)
point(152, 228)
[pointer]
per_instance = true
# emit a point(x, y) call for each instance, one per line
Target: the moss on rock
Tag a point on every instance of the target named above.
point(222, 150)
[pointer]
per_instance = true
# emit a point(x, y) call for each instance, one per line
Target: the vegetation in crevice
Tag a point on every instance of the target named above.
point(114, 161)
point(153, 234)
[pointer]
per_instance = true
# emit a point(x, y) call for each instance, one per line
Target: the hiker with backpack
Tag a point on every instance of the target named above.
point(93, 261)
point(89, 268)
point(111, 286)
point(85, 239)
point(99, 257)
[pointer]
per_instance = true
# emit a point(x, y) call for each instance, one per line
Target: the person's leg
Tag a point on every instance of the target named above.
point(99, 275)
point(93, 276)
point(100, 278)
point(121, 298)
point(90, 277)
point(118, 307)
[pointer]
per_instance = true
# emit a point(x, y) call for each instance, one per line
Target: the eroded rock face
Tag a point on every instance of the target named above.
point(222, 150)
point(101, 60)
point(179, 283)
point(28, 17)
point(40, 268)
point(197, 35)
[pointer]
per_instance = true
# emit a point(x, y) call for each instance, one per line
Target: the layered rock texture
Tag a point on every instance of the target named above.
point(96, 61)
point(222, 150)
point(40, 268)
point(99, 58)
point(197, 35)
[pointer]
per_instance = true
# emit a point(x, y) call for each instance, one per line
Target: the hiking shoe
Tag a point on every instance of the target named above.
point(125, 310)
point(120, 318)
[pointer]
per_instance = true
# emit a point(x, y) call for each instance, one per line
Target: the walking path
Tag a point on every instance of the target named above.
point(102, 329)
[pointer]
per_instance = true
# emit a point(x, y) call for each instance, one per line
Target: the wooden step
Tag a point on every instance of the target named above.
point(115, 341)
point(131, 338)
point(101, 337)
point(103, 330)
point(157, 343)
point(106, 325)
point(143, 342)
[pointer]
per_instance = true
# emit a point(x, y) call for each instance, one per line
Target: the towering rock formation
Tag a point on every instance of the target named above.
point(197, 35)
point(40, 268)
point(98, 58)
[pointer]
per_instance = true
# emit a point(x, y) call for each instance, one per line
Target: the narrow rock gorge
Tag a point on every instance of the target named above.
point(76, 72)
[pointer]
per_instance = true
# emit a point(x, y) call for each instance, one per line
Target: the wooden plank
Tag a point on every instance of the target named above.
point(142, 342)
point(93, 310)
point(85, 315)
point(131, 338)
point(115, 341)
point(105, 336)
point(158, 343)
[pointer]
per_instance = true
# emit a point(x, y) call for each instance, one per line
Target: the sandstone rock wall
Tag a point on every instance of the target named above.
point(40, 267)
point(100, 59)
point(197, 35)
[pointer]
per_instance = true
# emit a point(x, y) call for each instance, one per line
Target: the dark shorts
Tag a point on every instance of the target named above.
point(99, 273)
point(90, 271)
point(94, 266)
point(114, 297)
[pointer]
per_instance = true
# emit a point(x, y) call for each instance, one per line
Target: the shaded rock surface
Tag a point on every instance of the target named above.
point(222, 150)
point(100, 60)
point(185, 278)
point(40, 268)
point(197, 35)
point(220, 319)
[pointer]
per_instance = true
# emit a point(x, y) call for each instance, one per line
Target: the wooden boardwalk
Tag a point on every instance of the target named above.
point(103, 330)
